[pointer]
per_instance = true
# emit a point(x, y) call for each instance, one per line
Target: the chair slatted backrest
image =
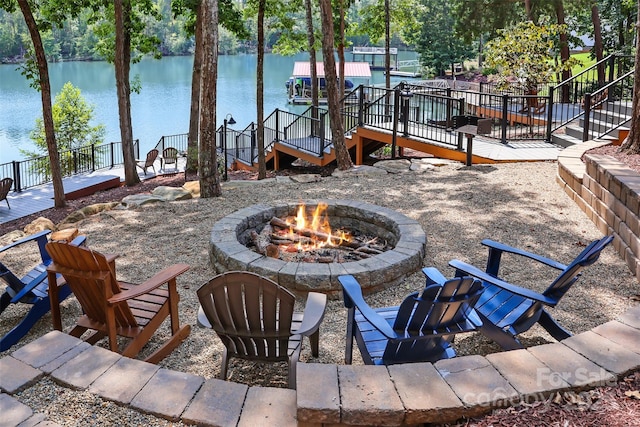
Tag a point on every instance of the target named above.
point(92, 280)
point(440, 308)
point(569, 275)
point(5, 187)
point(251, 314)
point(170, 155)
point(152, 155)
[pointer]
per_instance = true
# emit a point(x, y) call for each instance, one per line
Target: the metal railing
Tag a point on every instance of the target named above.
point(567, 99)
point(37, 170)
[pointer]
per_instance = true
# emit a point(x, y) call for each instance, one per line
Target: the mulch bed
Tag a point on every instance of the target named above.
point(617, 406)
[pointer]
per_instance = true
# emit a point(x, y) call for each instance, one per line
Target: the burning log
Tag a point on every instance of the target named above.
point(277, 222)
point(263, 242)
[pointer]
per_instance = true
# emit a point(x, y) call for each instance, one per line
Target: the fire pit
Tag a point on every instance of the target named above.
point(390, 245)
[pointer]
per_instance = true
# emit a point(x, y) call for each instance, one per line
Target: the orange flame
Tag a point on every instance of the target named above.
point(318, 223)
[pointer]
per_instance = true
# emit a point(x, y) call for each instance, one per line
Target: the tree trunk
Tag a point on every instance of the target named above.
point(387, 43)
point(527, 9)
point(262, 167)
point(122, 63)
point(632, 144)
point(337, 130)
point(45, 95)
point(597, 42)
point(564, 50)
point(311, 41)
point(341, 44)
point(208, 167)
point(194, 114)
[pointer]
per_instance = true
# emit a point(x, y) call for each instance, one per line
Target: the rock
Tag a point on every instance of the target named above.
point(11, 237)
point(73, 217)
point(418, 165)
point(360, 170)
point(394, 166)
point(306, 178)
point(39, 224)
point(98, 207)
point(192, 187)
point(140, 199)
point(170, 194)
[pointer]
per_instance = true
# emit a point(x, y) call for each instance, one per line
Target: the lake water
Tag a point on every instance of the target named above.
point(162, 107)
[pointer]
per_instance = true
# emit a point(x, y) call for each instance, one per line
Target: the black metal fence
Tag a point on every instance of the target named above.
point(36, 170)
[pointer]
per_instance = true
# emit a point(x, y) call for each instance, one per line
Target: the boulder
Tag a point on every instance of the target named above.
point(170, 194)
point(39, 224)
point(140, 200)
point(98, 207)
point(192, 187)
point(11, 237)
point(306, 178)
point(394, 166)
point(360, 170)
point(418, 165)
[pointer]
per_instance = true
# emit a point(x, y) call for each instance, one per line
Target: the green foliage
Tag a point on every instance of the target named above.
point(438, 45)
point(71, 120)
point(524, 55)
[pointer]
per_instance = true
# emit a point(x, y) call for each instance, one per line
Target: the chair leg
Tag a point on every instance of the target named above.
point(314, 341)
point(551, 326)
point(224, 365)
point(5, 300)
point(36, 312)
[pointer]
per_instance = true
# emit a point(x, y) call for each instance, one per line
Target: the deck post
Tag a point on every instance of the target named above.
point(17, 178)
point(505, 117)
point(550, 113)
point(394, 134)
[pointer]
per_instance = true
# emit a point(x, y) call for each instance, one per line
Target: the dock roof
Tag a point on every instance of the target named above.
point(351, 69)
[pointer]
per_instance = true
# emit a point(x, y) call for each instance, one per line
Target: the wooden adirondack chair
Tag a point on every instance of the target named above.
point(169, 157)
point(30, 289)
point(5, 187)
point(152, 155)
point(254, 318)
point(421, 329)
point(113, 308)
point(507, 310)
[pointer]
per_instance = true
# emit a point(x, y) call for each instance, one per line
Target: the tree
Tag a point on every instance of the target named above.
point(208, 170)
point(337, 130)
point(72, 117)
point(45, 94)
point(262, 167)
point(439, 47)
point(632, 144)
point(523, 55)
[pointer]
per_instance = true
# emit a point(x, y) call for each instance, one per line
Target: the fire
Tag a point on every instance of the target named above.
point(321, 234)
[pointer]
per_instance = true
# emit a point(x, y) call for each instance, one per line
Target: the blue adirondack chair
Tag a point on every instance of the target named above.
point(30, 289)
point(421, 329)
point(507, 310)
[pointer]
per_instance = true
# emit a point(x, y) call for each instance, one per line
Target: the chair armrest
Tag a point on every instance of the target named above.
point(164, 276)
point(434, 277)
point(509, 249)
point(313, 314)
point(36, 236)
point(202, 319)
point(461, 266)
point(353, 297)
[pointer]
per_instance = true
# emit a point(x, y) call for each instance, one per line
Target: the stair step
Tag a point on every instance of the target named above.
point(565, 140)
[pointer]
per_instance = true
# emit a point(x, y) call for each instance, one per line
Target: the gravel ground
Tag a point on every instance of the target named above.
point(518, 204)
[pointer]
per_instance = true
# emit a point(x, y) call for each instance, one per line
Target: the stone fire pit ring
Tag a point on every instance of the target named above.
point(228, 248)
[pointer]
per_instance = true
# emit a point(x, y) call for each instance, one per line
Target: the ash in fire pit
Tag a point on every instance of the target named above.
point(395, 245)
point(308, 237)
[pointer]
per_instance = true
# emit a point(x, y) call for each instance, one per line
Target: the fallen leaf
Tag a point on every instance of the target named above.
point(635, 394)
